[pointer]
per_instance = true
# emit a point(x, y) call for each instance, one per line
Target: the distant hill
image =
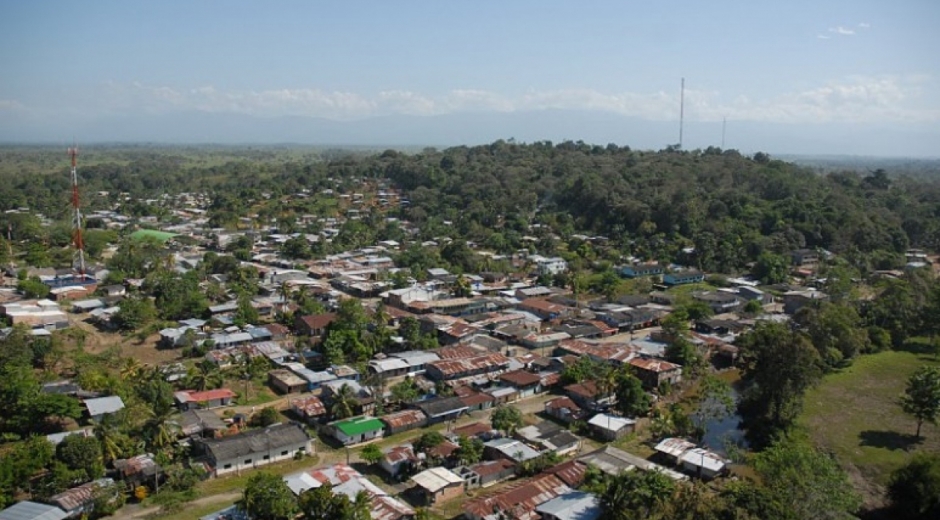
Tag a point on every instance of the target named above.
point(480, 128)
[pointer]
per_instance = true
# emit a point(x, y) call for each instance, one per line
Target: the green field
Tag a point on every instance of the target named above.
point(855, 414)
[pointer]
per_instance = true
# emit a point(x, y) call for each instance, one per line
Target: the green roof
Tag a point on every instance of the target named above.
point(359, 425)
point(161, 236)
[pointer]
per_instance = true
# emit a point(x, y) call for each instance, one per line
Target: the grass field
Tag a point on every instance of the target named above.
point(855, 414)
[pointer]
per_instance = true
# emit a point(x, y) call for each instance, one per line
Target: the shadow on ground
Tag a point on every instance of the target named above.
point(887, 439)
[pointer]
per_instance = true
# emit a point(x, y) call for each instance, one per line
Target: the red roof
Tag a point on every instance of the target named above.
point(519, 499)
point(473, 429)
point(318, 321)
point(562, 403)
point(519, 378)
point(653, 365)
point(475, 399)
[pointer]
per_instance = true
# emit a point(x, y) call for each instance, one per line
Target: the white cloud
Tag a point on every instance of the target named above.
point(863, 25)
point(853, 99)
point(822, 36)
point(842, 31)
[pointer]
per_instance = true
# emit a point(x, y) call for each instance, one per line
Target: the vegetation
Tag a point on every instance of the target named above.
point(921, 398)
point(914, 489)
point(267, 497)
point(507, 419)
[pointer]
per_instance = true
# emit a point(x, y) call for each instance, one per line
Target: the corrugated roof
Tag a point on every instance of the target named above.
point(436, 479)
point(404, 418)
point(27, 510)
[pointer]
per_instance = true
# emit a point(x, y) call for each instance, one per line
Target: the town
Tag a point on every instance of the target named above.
point(298, 357)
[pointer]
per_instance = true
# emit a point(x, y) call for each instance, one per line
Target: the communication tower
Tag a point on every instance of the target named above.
point(77, 240)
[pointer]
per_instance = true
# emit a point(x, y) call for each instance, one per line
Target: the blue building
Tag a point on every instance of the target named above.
point(684, 277)
point(637, 271)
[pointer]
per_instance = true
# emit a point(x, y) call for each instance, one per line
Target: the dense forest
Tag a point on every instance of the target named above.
point(715, 209)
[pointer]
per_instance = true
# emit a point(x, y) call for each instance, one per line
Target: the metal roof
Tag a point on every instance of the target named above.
point(576, 505)
point(102, 405)
point(27, 510)
point(436, 479)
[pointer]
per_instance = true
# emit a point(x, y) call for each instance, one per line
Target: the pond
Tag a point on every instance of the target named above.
point(721, 432)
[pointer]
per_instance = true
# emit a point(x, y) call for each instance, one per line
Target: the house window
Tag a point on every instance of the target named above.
point(247, 461)
point(227, 466)
point(266, 457)
point(284, 453)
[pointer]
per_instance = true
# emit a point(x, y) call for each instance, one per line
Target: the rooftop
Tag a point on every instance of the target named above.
point(359, 425)
point(436, 479)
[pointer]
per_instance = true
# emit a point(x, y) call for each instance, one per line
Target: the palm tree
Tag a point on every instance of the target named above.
point(107, 434)
point(131, 369)
point(343, 402)
point(206, 375)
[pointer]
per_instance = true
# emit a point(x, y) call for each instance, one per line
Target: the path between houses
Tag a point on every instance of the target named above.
point(136, 512)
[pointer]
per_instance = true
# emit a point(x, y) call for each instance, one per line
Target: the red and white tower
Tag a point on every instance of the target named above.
point(77, 214)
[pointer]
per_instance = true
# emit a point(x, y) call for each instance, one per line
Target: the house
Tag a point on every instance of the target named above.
point(101, 406)
point(482, 431)
point(364, 401)
point(27, 510)
point(190, 399)
point(286, 382)
point(356, 430)
point(526, 383)
point(672, 448)
point(309, 409)
point(702, 463)
point(804, 258)
point(512, 450)
point(613, 461)
point(441, 409)
point(477, 365)
point(611, 427)
point(347, 481)
point(403, 421)
point(201, 422)
point(254, 448)
point(640, 270)
point(684, 277)
point(720, 302)
point(549, 436)
point(313, 325)
point(549, 266)
point(138, 470)
point(589, 397)
point(474, 400)
point(80, 499)
point(486, 473)
point(576, 505)
point(654, 372)
point(398, 459)
point(519, 500)
point(438, 485)
point(563, 409)
point(544, 309)
point(795, 300)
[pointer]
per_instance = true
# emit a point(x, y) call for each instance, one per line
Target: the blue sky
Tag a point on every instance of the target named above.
point(860, 63)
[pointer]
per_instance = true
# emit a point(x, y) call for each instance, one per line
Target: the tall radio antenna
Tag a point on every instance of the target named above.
point(724, 123)
point(681, 111)
point(77, 213)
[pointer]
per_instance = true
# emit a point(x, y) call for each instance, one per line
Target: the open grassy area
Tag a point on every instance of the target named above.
point(855, 414)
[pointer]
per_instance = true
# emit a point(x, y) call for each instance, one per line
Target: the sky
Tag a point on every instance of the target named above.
point(863, 73)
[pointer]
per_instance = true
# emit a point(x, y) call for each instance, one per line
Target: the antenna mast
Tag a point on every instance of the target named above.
point(77, 213)
point(681, 111)
point(724, 123)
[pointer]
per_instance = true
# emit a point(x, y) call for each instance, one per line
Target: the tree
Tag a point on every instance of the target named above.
point(632, 400)
point(470, 450)
point(506, 418)
point(836, 331)
point(321, 503)
point(133, 313)
point(204, 376)
point(914, 489)
point(266, 417)
point(777, 367)
point(344, 402)
point(81, 453)
point(681, 351)
point(771, 268)
point(371, 454)
point(405, 391)
point(807, 483)
point(921, 398)
point(33, 288)
point(636, 495)
point(267, 497)
point(428, 440)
